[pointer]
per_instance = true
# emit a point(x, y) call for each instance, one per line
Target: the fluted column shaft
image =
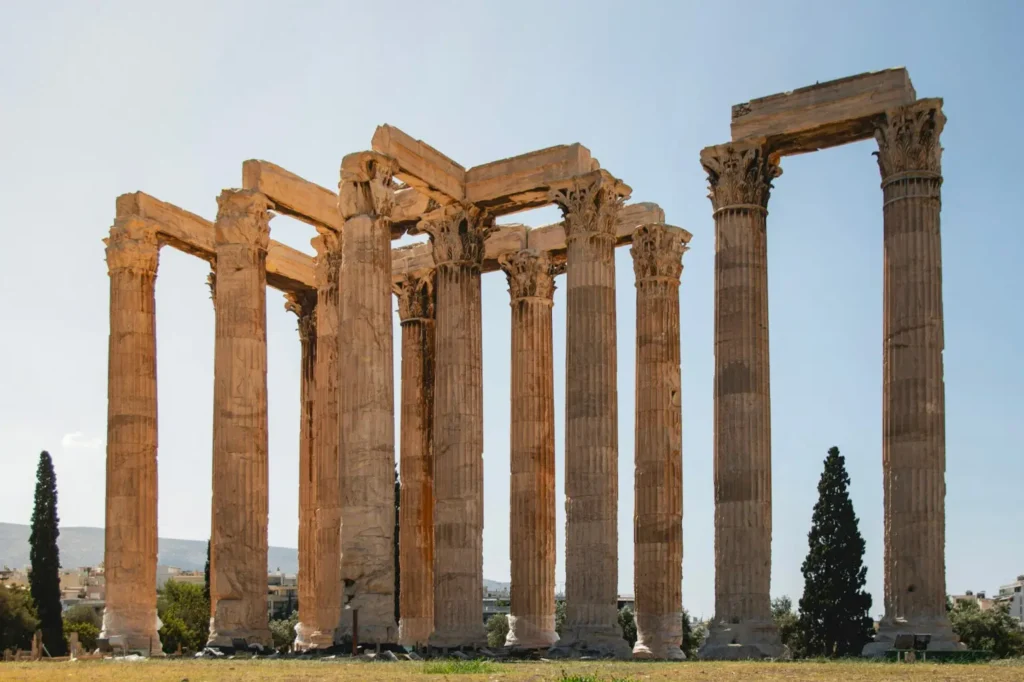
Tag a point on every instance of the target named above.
point(658, 495)
point(457, 235)
point(367, 398)
point(304, 306)
point(532, 451)
point(238, 555)
point(590, 205)
point(416, 527)
point(740, 181)
point(317, 624)
point(130, 536)
point(913, 390)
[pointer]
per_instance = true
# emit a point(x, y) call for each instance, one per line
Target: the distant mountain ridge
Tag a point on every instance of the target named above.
point(83, 546)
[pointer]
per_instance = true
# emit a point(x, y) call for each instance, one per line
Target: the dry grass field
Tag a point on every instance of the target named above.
point(569, 671)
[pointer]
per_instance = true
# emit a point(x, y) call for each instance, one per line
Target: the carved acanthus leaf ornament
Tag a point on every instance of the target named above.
point(590, 204)
point(739, 175)
point(657, 252)
point(415, 294)
point(243, 217)
point(367, 185)
point(133, 246)
point(458, 232)
point(908, 139)
point(328, 260)
point(303, 304)
point(531, 274)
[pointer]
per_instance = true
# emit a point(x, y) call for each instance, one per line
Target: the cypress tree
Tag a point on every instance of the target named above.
point(835, 610)
point(44, 580)
point(206, 574)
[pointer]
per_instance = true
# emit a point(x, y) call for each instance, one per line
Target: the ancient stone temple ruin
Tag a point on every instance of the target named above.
point(342, 299)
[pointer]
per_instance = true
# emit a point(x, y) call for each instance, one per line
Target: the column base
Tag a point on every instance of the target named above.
point(127, 633)
point(232, 638)
point(942, 636)
point(308, 638)
point(659, 637)
point(526, 632)
point(469, 638)
point(747, 640)
point(599, 640)
point(415, 631)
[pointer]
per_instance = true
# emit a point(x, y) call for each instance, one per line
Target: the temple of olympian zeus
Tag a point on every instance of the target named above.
point(342, 298)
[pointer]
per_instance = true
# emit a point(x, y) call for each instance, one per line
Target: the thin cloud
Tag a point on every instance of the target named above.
point(79, 441)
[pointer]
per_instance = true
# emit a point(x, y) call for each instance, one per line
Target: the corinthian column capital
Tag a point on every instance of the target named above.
point(132, 246)
point(243, 217)
point(415, 294)
point(657, 252)
point(303, 304)
point(908, 139)
point(328, 259)
point(366, 186)
point(590, 203)
point(531, 274)
point(739, 175)
point(458, 232)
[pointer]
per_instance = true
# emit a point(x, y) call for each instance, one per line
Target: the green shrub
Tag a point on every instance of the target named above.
point(87, 633)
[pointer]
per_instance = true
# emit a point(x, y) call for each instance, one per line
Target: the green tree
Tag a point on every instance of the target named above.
point(991, 630)
point(81, 613)
point(283, 631)
point(44, 580)
point(628, 624)
point(87, 633)
point(788, 624)
point(185, 613)
point(17, 618)
point(559, 615)
point(835, 610)
point(693, 637)
point(206, 573)
point(497, 630)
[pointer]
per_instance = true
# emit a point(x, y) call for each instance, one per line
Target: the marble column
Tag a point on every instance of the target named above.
point(740, 178)
point(238, 552)
point(367, 398)
point(457, 235)
point(416, 531)
point(304, 306)
point(130, 536)
point(658, 483)
point(590, 205)
point(317, 624)
point(531, 285)
point(913, 389)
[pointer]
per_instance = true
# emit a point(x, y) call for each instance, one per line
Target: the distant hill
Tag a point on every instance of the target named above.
point(82, 546)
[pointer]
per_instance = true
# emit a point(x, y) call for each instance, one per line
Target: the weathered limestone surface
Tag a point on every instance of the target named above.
point(740, 178)
point(457, 233)
point(416, 530)
point(824, 114)
point(304, 307)
point(658, 498)
point(287, 268)
point(316, 627)
point(367, 399)
point(130, 538)
point(590, 204)
point(238, 554)
point(531, 283)
point(913, 390)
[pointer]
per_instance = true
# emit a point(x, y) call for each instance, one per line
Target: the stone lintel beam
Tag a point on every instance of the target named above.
point(824, 114)
point(421, 166)
point(311, 203)
point(287, 269)
point(508, 239)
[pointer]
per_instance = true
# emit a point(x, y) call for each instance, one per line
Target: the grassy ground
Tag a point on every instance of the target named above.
point(575, 671)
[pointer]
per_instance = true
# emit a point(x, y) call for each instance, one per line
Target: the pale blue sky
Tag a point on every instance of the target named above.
point(100, 99)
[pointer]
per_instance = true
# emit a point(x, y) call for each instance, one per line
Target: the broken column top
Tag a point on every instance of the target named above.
point(824, 114)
